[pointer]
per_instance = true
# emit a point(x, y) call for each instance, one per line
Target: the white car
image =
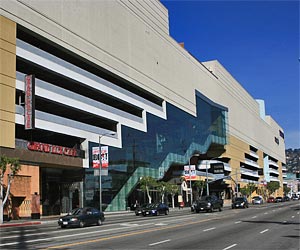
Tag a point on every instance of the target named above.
point(257, 200)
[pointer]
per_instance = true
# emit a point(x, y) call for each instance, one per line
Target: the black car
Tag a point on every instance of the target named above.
point(81, 217)
point(155, 209)
point(139, 209)
point(239, 202)
point(208, 204)
point(279, 199)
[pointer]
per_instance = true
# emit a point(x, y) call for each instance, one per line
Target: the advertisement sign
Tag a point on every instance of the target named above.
point(104, 157)
point(29, 109)
point(187, 174)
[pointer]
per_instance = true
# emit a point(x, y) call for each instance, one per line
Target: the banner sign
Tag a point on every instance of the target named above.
point(187, 173)
point(104, 157)
point(29, 114)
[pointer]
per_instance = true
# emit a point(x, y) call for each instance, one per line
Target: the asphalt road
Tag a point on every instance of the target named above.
point(268, 226)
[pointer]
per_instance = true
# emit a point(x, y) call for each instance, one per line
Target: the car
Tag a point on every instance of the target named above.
point(156, 209)
point(81, 217)
point(208, 204)
point(279, 199)
point(139, 209)
point(257, 200)
point(271, 199)
point(286, 198)
point(240, 202)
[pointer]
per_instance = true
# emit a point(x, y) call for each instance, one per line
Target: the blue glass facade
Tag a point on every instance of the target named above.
point(151, 153)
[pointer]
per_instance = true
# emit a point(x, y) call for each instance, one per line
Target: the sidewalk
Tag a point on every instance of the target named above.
point(54, 218)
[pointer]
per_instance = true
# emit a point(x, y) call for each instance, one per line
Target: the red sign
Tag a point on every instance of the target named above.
point(52, 149)
point(104, 157)
point(29, 115)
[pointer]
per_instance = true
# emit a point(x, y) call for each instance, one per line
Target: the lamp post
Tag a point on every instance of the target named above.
point(190, 171)
point(100, 170)
point(207, 186)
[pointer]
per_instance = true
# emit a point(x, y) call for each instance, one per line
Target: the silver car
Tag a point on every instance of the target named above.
point(257, 200)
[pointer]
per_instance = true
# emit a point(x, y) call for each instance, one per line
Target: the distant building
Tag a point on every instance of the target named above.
point(90, 69)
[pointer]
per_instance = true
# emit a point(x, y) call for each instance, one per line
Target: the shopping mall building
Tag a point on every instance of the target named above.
point(76, 73)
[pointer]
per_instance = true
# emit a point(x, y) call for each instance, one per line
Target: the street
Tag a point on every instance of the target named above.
point(267, 226)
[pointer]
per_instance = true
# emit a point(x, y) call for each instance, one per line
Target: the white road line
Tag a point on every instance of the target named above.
point(18, 236)
point(160, 242)
point(266, 230)
point(230, 247)
point(298, 213)
point(254, 217)
point(209, 229)
point(237, 222)
point(293, 216)
point(266, 213)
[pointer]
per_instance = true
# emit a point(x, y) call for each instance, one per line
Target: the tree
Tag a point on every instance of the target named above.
point(172, 189)
point(286, 190)
point(272, 186)
point(199, 185)
point(248, 190)
point(161, 188)
point(13, 166)
point(146, 183)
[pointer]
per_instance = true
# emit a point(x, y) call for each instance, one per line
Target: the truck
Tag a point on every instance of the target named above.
point(208, 204)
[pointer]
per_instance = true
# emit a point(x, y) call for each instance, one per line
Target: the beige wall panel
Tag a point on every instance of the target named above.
point(7, 30)
point(8, 81)
point(7, 134)
point(7, 99)
point(8, 63)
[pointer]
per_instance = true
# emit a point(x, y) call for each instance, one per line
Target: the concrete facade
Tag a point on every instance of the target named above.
point(130, 40)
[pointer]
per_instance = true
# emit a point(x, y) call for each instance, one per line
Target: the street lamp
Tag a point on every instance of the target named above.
point(100, 168)
point(190, 170)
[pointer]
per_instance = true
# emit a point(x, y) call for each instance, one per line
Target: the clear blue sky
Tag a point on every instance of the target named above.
point(256, 41)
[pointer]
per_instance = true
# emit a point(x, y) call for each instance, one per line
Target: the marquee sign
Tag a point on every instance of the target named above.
point(29, 109)
point(52, 149)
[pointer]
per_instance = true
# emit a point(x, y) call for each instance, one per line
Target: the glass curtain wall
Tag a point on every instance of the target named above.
point(151, 153)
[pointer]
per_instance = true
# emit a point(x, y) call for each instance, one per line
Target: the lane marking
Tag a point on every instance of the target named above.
point(229, 247)
point(293, 216)
point(160, 224)
point(160, 242)
point(266, 230)
point(237, 222)
point(123, 235)
point(254, 217)
point(266, 213)
point(209, 229)
point(19, 236)
point(129, 225)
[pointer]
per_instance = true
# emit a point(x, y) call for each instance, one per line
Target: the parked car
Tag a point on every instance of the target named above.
point(271, 199)
point(139, 209)
point(208, 204)
point(240, 202)
point(81, 217)
point(286, 198)
point(257, 200)
point(156, 209)
point(279, 199)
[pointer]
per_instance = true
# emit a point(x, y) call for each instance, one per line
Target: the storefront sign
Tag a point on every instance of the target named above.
point(104, 157)
point(190, 172)
point(29, 114)
point(52, 149)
